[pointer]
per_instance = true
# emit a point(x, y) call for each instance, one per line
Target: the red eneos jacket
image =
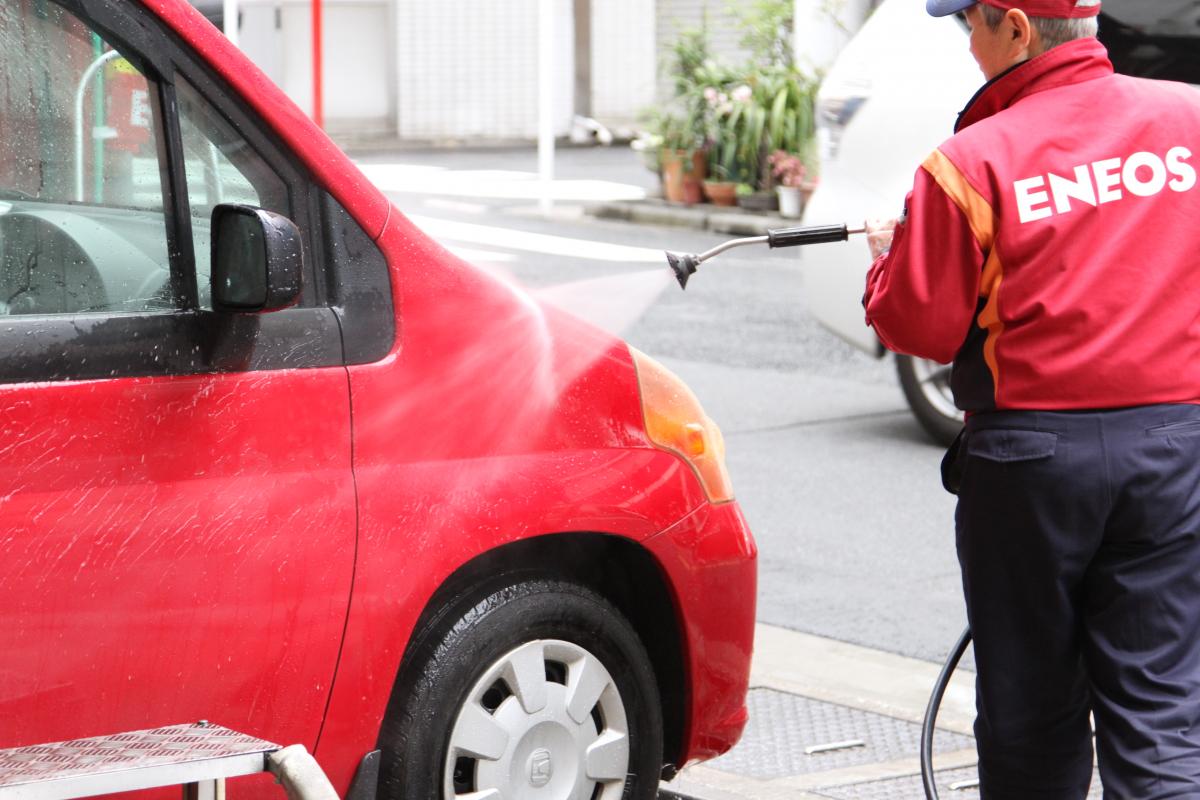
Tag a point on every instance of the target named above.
point(1051, 248)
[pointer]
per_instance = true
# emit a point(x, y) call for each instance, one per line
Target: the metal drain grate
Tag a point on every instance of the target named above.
point(910, 788)
point(782, 725)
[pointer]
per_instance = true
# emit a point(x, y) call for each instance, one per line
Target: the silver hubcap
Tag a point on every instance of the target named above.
point(545, 722)
point(934, 380)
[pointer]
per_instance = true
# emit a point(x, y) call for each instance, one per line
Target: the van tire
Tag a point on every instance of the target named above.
point(926, 387)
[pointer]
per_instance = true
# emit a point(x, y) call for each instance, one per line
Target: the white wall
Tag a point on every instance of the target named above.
point(358, 68)
point(437, 69)
point(624, 63)
point(468, 68)
point(676, 16)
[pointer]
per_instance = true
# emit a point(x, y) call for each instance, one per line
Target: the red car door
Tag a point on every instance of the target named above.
point(177, 512)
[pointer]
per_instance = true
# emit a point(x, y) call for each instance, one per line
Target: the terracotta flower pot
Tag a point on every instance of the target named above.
point(721, 193)
point(684, 185)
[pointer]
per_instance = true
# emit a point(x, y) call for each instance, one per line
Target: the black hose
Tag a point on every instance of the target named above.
point(931, 710)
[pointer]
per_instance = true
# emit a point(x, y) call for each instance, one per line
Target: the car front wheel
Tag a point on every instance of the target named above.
point(540, 690)
point(926, 386)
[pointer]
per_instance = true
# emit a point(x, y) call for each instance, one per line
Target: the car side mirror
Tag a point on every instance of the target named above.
point(257, 259)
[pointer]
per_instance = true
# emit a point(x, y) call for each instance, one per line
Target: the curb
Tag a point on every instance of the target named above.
point(653, 211)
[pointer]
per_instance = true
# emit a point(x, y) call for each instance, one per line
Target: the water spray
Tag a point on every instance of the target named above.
point(685, 264)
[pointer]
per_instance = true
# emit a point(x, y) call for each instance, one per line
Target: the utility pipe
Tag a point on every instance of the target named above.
point(80, 91)
point(546, 104)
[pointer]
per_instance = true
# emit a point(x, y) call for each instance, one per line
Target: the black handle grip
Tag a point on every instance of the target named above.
point(814, 234)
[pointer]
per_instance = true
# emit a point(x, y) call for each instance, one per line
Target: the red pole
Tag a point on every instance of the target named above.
point(318, 89)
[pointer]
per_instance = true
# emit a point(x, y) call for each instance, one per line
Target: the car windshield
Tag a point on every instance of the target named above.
point(1153, 38)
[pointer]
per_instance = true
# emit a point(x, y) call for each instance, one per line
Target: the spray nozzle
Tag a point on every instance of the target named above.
point(684, 264)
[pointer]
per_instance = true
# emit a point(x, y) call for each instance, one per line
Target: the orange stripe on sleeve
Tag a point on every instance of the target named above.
point(982, 219)
point(978, 211)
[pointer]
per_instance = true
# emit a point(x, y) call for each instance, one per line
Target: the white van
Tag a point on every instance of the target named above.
point(892, 97)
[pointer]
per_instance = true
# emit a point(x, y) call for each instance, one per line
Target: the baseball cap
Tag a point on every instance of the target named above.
point(1062, 9)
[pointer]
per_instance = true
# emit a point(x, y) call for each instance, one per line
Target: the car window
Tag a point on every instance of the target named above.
point(82, 220)
point(1153, 38)
point(221, 167)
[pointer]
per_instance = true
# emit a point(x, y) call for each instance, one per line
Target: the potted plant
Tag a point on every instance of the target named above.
point(789, 170)
point(685, 127)
point(721, 192)
point(724, 149)
point(683, 158)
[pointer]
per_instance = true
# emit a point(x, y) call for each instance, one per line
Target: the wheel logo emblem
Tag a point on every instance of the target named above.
point(540, 768)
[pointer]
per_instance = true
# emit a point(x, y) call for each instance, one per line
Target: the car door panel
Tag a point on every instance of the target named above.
point(175, 548)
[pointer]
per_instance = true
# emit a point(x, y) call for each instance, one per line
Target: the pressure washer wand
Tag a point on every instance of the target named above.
point(684, 264)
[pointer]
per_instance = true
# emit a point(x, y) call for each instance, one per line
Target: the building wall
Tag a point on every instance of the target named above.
point(358, 76)
point(624, 60)
point(676, 16)
point(469, 68)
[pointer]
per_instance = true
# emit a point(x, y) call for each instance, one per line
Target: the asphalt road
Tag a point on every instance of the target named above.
point(836, 479)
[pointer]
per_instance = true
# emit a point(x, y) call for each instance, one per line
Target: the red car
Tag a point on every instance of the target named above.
point(271, 457)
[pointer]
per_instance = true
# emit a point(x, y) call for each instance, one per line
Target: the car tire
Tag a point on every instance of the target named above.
point(926, 386)
point(541, 688)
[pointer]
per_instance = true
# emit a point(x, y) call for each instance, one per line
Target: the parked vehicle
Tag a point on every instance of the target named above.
point(273, 458)
point(885, 105)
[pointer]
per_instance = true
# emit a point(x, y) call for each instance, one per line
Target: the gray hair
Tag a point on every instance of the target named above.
point(1051, 31)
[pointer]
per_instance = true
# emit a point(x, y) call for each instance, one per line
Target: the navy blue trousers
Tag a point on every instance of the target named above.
point(1079, 539)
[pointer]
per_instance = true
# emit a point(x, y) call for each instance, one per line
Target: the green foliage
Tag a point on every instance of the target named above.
point(689, 55)
point(685, 124)
point(740, 115)
point(771, 110)
point(767, 27)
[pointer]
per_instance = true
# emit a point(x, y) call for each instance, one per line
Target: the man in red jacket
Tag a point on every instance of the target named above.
point(1051, 250)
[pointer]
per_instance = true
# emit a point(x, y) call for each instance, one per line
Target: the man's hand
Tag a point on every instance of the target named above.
point(879, 235)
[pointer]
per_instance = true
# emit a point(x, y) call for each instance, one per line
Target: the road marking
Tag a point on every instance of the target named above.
point(492, 184)
point(477, 256)
point(445, 230)
point(457, 206)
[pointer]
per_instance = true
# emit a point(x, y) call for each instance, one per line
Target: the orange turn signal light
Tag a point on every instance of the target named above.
point(675, 421)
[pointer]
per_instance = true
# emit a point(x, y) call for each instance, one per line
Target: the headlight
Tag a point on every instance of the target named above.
point(676, 422)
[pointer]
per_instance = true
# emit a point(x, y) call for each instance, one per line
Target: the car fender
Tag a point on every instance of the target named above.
point(494, 419)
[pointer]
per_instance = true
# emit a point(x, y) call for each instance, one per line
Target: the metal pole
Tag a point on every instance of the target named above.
point(546, 103)
point(318, 88)
point(80, 90)
point(583, 58)
point(230, 23)
point(99, 120)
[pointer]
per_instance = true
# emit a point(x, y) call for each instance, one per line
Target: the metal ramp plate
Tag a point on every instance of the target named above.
point(910, 788)
point(177, 754)
point(782, 725)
